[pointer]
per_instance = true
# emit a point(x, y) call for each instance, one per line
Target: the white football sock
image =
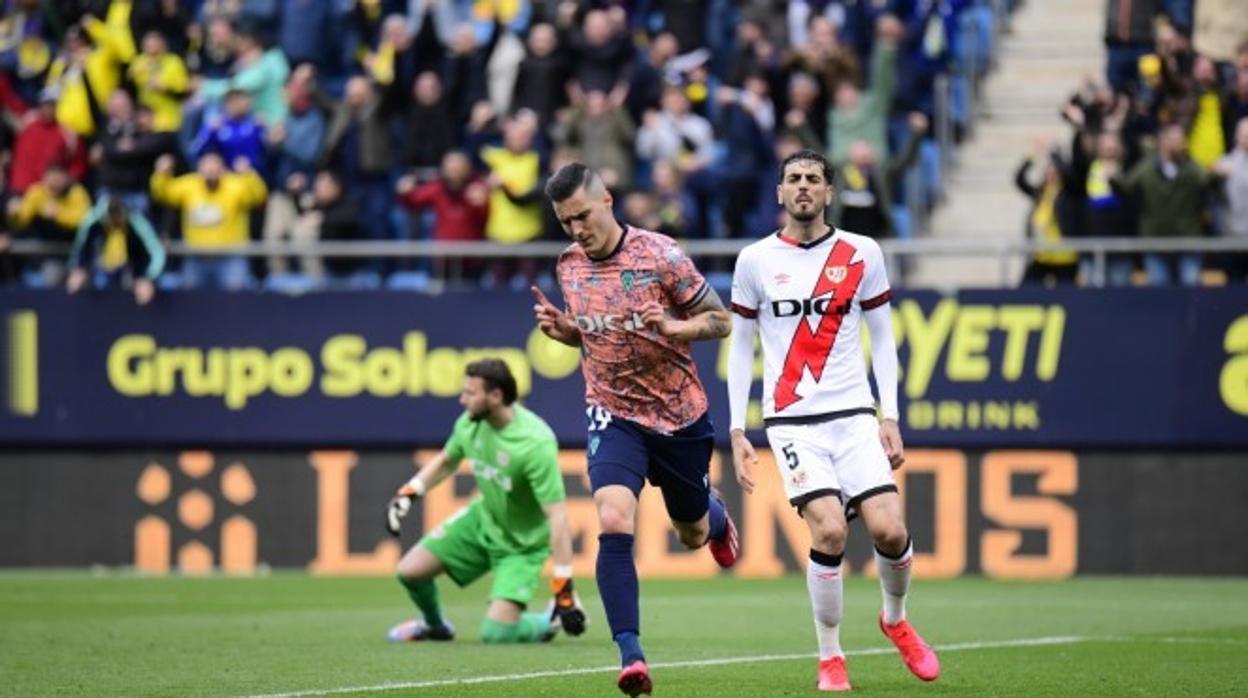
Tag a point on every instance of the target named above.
point(823, 581)
point(895, 582)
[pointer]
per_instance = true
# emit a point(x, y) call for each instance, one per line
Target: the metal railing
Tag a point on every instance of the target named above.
point(899, 254)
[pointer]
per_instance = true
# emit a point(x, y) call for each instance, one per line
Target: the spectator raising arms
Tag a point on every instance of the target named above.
point(216, 205)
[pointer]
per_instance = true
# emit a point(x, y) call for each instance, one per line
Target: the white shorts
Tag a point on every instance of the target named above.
point(841, 457)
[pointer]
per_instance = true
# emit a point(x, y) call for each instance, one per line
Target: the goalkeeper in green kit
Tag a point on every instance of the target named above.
point(515, 523)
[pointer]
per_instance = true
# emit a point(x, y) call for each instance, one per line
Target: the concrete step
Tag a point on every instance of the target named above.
point(1053, 46)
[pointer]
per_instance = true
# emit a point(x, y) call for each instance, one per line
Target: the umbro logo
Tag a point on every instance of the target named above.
point(783, 278)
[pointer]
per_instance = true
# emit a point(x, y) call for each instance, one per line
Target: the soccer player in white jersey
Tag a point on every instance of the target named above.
point(806, 290)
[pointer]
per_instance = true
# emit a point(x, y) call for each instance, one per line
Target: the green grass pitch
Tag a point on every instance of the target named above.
point(70, 634)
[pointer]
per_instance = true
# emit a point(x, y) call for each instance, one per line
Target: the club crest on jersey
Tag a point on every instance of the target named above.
point(633, 278)
point(836, 274)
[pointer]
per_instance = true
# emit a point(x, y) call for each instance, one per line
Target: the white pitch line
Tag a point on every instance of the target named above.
point(753, 659)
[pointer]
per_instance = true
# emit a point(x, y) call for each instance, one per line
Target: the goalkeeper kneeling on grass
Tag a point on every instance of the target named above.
point(510, 528)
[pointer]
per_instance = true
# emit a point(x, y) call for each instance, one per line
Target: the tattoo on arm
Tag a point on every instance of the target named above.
point(709, 301)
point(715, 321)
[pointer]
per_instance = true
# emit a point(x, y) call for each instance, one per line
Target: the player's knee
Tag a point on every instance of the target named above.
point(612, 519)
point(891, 539)
point(692, 535)
point(406, 572)
point(827, 533)
point(828, 539)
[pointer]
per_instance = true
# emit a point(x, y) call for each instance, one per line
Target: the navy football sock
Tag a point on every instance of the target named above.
point(617, 584)
point(717, 517)
point(630, 648)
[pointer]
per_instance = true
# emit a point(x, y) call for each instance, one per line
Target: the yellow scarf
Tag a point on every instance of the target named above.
point(1044, 222)
point(854, 178)
point(113, 255)
point(1208, 142)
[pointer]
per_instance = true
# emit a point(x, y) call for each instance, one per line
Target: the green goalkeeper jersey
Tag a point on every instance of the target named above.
point(517, 474)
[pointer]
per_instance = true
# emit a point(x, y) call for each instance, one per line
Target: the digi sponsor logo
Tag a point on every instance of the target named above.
point(589, 324)
point(195, 512)
point(808, 306)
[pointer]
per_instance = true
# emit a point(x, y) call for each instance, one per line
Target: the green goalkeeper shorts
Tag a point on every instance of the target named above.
point(457, 544)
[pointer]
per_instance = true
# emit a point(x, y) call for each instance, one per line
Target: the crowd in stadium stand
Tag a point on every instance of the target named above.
point(1159, 147)
point(128, 123)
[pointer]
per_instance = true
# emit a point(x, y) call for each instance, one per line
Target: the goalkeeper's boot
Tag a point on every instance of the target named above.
point(916, 653)
point(833, 676)
point(635, 679)
point(417, 630)
point(725, 551)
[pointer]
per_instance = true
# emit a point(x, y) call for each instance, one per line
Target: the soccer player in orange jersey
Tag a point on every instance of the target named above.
point(634, 302)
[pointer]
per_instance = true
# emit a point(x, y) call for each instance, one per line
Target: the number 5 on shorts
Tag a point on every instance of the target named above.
point(790, 456)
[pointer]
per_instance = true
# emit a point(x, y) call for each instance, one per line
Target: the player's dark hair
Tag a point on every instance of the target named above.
point(568, 179)
point(808, 155)
point(496, 376)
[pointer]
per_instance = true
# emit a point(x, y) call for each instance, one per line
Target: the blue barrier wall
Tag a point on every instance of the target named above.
point(980, 369)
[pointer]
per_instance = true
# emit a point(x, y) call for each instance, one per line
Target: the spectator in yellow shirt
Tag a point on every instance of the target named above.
point(161, 80)
point(90, 67)
point(515, 182)
point(216, 205)
point(51, 209)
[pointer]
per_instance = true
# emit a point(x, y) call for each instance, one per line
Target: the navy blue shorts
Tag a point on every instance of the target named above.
point(622, 452)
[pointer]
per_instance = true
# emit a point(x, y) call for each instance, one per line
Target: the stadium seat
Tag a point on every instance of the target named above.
point(170, 281)
point(408, 281)
point(363, 281)
point(292, 283)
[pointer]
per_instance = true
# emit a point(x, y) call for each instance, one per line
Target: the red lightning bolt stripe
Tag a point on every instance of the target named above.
point(810, 349)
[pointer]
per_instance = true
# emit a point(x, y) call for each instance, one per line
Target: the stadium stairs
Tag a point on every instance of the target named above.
point(1051, 47)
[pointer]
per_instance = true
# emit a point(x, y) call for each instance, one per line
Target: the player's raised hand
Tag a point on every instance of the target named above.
point(553, 322)
point(743, 460)
point(890, 437)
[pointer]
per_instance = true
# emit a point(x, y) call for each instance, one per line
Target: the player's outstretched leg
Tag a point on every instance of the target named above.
point(424, 593)
point(617, 583)
point(894, 584)
point(416, 572)
point(894, 555)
